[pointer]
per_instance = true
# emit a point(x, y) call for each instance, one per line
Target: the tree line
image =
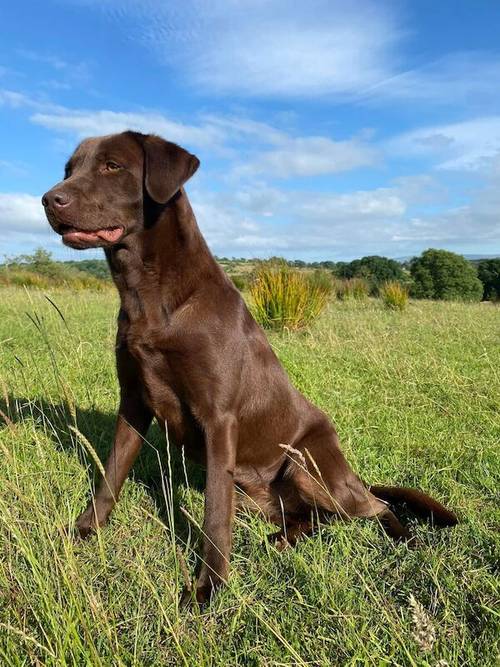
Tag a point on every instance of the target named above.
point(435, 274)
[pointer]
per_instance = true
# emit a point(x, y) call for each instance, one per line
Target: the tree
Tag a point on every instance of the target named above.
point(342, 270)
point(374, 269)
point(96, 267)
point(39, 262)
point(440, 274)
point(488, 271)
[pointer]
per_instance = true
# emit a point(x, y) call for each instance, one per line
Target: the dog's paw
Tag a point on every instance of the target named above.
point(279, 541)
point(201, 595)
point(85, 525)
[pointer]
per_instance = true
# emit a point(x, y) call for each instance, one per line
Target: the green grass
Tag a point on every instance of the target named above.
point(416, 400)
point(394, 295)
point(283, 298)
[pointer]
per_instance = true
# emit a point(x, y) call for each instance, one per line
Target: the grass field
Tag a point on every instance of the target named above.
point(416, 398)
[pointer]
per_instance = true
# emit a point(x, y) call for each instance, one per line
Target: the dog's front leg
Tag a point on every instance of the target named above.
point(133, 421)
point(221, 442)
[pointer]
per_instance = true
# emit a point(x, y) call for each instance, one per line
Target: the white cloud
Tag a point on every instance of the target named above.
point(23, 225)
point(211, 131)
point(14, 168)
point(266, 221)
point(82, 123)
point(289, 156)
point(421, 189)
point(53, 61)
point(266, 47)
point(274, 48)
point(85, 123)
point(310, 156)
point(244, 127)
point(262, 221)
point(319, 48)
point(462, 79)
point(273, 152)
point(76, 71)
point(456, 146)
point(343, 209)
point(22, 213)
point(13, 99)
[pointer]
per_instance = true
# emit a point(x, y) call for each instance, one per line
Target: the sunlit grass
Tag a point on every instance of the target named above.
point(69, 278)
point(284, 298)
point(352, 288)
point(394, 295)
point(416, 401)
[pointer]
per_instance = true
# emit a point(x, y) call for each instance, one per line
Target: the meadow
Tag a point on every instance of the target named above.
point(415, 396)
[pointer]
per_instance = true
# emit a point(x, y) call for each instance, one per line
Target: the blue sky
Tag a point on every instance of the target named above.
point(325, 130)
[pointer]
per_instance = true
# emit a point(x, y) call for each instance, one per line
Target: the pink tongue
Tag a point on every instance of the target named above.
point(110, 235)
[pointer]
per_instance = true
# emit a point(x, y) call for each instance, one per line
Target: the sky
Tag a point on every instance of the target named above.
point(326, 130)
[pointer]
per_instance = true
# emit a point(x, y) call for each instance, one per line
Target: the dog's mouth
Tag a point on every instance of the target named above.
point(84, 237)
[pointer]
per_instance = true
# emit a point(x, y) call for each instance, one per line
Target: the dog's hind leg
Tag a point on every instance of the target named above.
point(325, 481)
point(291, 532)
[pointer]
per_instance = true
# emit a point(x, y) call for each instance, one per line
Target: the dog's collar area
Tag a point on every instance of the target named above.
point(153, 209)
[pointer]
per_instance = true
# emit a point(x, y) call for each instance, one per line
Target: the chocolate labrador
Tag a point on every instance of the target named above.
point(189, 353)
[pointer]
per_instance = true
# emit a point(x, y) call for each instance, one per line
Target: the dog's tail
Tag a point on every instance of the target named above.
point(418, 502)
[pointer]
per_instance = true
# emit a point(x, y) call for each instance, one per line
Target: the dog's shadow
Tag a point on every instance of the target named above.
point(160, 466)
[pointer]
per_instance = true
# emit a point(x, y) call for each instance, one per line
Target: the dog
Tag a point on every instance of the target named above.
point(190, 354)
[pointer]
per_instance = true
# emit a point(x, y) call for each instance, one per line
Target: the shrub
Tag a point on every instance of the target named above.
point(239, 281)
point(352, 288)
point(374, 269)
point(96, 267)
point(75, 279)
point(284, 298)
point(41, 271)
point(394, 295)
point(23, 278)
point(321, 279)
point(488, 271)
point(440, 274)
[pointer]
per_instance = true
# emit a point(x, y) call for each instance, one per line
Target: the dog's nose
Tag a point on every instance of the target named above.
point(57, 199)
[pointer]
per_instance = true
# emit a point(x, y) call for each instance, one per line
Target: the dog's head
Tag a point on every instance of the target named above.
point(106, 181)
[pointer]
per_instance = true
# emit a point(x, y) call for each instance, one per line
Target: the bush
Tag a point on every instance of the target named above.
point(75, 279)
point(352, 288)
point(23, 278)
point(285, 298)
point(321, 279)
point(488, 271)
point(96, 267)
point(440, 274)
point(239, 281)
point(394, 295)
point(41, 271)
point(374, 269)
point(40, 263)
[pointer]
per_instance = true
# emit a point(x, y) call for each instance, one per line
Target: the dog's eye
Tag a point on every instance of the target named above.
point(112, 166)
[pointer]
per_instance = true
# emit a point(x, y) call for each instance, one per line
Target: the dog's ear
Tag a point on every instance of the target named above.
point(166, 168)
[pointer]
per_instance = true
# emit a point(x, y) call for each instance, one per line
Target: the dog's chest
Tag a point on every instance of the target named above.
point(159, 362)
